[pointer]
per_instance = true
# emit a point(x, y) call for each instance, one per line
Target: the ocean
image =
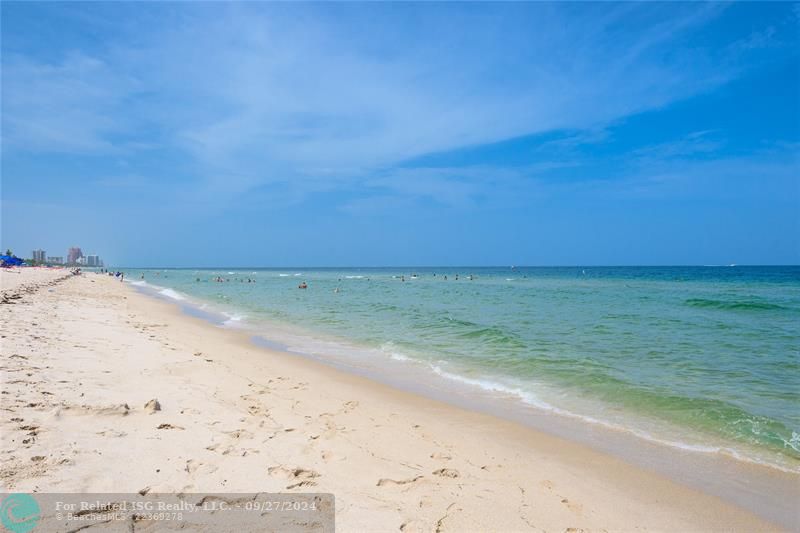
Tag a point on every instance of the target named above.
point(700, 358)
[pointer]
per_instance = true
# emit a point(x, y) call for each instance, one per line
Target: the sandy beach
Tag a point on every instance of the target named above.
point(105, 389)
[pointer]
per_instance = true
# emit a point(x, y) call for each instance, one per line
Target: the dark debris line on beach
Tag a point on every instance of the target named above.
point(12, 297)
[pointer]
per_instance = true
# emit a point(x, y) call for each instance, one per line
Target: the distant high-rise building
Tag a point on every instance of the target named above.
point(93, 260)
point(73, 255)
point(39, 256)
point(55, 260)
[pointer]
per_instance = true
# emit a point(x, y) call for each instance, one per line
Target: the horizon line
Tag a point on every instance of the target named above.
point(730, 265)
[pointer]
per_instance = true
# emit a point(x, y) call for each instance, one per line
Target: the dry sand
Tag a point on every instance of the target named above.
point(83, 358)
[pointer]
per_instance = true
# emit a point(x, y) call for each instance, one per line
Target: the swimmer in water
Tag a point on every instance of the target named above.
point(302, 286)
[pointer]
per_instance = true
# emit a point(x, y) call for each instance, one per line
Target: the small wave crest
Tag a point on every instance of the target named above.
point(734, 305)
point(233, 319)
point(390, 349)
point(169, 293)
point(531, 399)
point(485, 334)
point(496, 387)
point(494, 336)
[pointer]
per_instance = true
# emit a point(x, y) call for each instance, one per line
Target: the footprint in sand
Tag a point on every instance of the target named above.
point(413, 525)
point(239, 434)
point(168, 426)
point(349, 406)
point(152, 406)
point(256, 410)
point(112, 433)
point(193, 465)
point(386, 481)
point(303, 477)
point(446, 472)
point(572, 506)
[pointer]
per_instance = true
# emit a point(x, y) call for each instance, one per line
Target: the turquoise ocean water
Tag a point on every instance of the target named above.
point(706, 358)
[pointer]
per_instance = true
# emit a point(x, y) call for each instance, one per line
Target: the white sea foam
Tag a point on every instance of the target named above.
point(354, 277)
point(531, 399)
point(794, 442)
point(233, 319)
point(284, 275)
point(390, 349)
point(493, 386)
point(169, 293)
point(163, 291)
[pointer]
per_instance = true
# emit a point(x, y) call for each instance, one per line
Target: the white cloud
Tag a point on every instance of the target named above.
point(321, 95)
point(695, 143)
point(63, 107)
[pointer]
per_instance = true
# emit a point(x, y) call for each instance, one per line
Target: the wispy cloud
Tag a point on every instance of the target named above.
point(71, 106)
point(314, 97)
point(694, 144)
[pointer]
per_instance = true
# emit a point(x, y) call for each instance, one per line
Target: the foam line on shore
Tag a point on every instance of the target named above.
point(492, 387)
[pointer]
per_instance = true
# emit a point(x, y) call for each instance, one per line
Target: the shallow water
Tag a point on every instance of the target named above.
point(703, 358)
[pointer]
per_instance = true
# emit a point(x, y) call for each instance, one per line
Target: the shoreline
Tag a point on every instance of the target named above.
point(759, 487)
point(526, 358)
point(382, 467)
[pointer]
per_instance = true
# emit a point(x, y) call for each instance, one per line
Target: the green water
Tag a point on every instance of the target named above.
point(702, 357)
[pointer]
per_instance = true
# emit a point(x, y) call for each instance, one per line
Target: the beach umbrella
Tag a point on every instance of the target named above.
point(8, 260)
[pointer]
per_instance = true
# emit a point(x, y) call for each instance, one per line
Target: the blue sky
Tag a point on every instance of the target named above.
point(402, 134)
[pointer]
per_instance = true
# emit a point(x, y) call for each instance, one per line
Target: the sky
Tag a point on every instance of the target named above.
point(367, 134)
